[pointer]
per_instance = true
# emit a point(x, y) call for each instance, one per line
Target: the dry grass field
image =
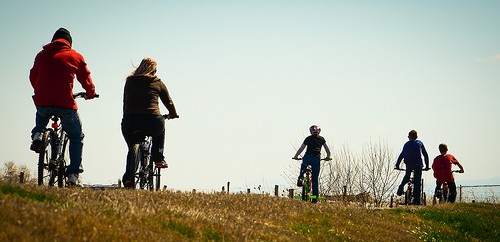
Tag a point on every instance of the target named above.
point(32, 213)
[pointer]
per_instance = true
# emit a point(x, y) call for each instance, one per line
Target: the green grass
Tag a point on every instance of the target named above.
point(8, 189)
point(32, 213)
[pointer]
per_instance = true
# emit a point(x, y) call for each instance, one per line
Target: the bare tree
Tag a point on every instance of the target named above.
point(340, 172)
point(10, 172)
point(378, 175)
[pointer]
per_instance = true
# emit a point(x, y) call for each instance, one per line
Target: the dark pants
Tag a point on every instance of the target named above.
point(314, 162)
point(72, 125)
point(452, 196)
point(417, 182)
point(147, 125)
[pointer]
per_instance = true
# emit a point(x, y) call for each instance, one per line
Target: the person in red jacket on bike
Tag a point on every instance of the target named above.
point(52, 77)
point(443, 172)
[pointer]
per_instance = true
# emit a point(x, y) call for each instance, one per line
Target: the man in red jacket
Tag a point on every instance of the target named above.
point(52, 76)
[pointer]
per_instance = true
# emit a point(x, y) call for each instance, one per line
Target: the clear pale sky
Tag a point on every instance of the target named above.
point(249, 77)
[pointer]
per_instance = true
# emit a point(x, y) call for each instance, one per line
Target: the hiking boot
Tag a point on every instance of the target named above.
point(36, 142)
point(400, 191)
point(299, 182)
point(128, 184)
point(161, 164)
point(74, 180)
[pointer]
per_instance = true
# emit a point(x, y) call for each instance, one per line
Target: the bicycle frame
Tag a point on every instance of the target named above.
point(52, 159)
point(306, 194)
point(408, 192)
point(147, 175)
point(307, 184)
point(442, 194)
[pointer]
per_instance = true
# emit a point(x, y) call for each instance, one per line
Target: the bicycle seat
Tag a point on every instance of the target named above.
point(139, 136)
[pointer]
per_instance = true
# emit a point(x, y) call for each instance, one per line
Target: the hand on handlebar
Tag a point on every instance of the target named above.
point(172, 116)
point(296, 158)
point(84, 95)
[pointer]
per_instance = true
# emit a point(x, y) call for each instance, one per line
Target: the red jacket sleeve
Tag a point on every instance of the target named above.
point(83, 76)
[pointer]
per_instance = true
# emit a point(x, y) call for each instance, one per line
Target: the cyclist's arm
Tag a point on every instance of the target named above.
point(459, 165)
point(400, 158)
point(83, 76)
point(167, 101)
point(327, 150)
point(426, 157)
point(302, 147)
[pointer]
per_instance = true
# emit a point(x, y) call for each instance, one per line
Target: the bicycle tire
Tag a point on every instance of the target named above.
point(157, 176)
point(135, 175)
point(408, 197)
point(446, 194)
point(151, 174)
point(44, 157)
point(61, 166)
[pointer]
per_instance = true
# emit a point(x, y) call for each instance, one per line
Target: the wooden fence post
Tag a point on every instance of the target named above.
point(21, 177)
point(227, 187)
point(290, 192)
point(248, 190)
point(460, 197)
point(276, 190)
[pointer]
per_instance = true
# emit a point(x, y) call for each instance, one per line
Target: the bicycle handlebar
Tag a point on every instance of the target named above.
point(326, 158)
point(401, 169)
point(82, 95)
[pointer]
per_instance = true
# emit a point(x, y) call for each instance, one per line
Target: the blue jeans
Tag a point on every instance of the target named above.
point(417, 182)
point(72, 125)
point(313, 161)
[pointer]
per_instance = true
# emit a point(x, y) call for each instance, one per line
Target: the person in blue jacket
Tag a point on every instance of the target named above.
point(412, 153)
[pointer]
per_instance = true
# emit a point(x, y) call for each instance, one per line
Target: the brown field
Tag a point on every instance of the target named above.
point(32, 213)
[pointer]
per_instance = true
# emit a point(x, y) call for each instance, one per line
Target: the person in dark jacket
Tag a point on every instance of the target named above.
point(312, 157)
point(412, 153)
point(141, 112)
point(52, 78)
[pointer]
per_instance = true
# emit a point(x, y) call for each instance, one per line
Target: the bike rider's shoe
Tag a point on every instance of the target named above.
point(314, 200)
point(400, 191)
point(36, 142)
point(74, 181)
point(299, 182)
point(161, 164)
point(128, 184)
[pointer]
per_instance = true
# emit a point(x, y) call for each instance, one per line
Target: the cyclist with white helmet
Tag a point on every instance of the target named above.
point(312, 157)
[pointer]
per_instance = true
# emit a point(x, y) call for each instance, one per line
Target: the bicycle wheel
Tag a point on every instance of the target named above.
point(61, 164)
point(157, 176)
point(44, 158)
point(151, 174)
point(408, 197)
point(135, 175)
point(446, 194)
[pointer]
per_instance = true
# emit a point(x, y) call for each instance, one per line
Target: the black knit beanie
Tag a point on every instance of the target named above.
point(62, 33)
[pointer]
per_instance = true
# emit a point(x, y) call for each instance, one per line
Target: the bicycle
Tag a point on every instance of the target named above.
point(441, 194)
point(306, 194)
point(147, 175)
point(408, 192)
point(53, 153)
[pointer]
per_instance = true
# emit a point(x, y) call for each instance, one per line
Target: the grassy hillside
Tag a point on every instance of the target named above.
point(32, 213)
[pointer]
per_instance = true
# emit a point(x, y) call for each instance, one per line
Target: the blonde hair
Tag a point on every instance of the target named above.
point(146, 68)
